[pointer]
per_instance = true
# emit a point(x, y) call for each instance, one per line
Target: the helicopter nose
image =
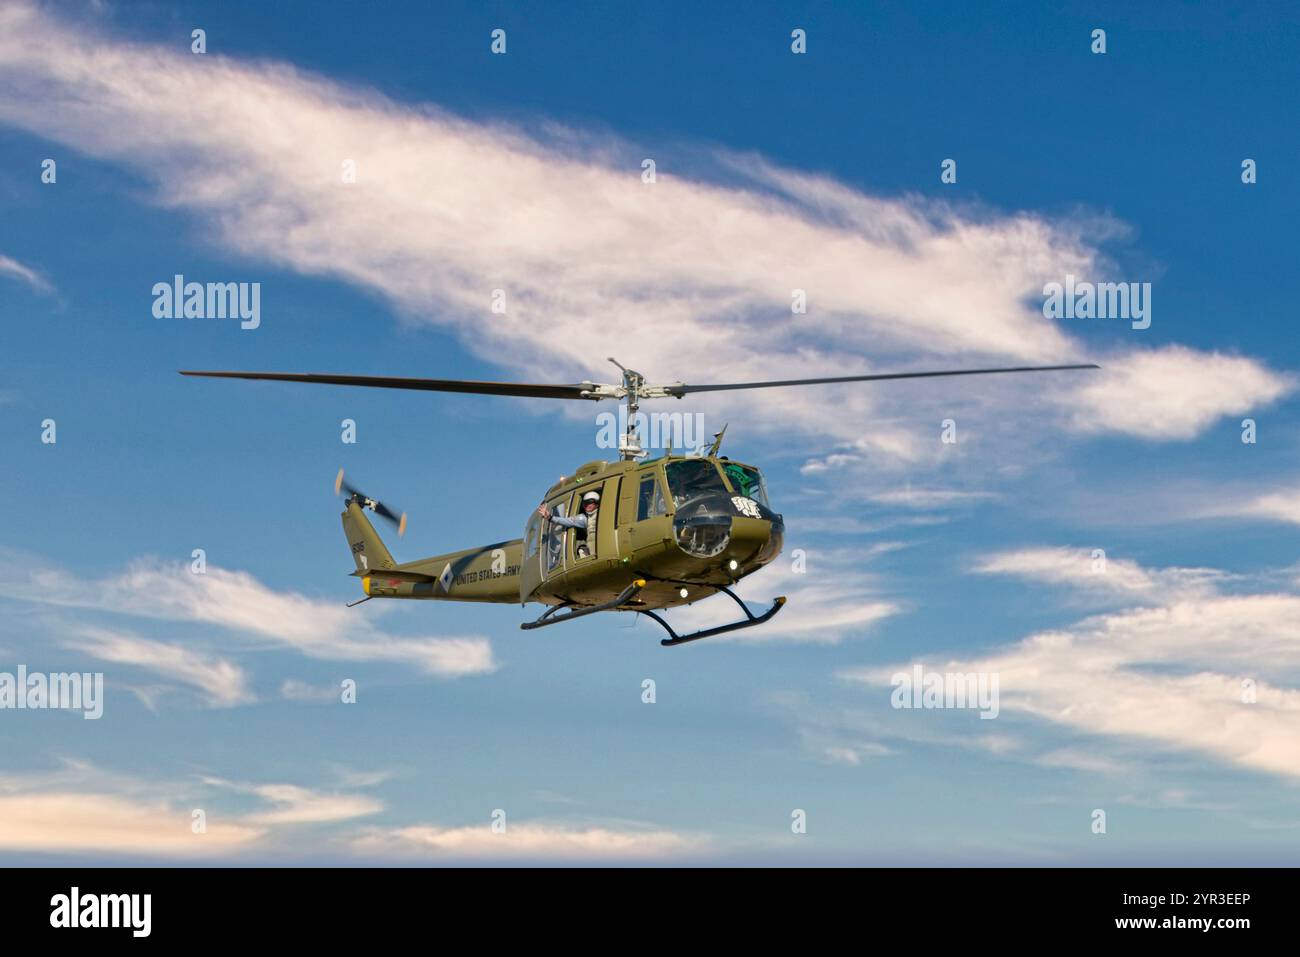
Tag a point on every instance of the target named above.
point(775, 540)
point(752, 543)
point(738, 532)
point(756, 541)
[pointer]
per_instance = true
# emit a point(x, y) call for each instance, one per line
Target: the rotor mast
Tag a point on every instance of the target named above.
point(629, 443)
point(632, 391)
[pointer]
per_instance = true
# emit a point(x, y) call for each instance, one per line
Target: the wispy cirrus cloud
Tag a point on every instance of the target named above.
point(222, 682)
point(931, 498)
point(528, 840)
point(79, 808)
point(1278, 505)
point(52, 822)
point(291, 804)
point(295, 689)
point(15, 270)
point(1093, 574)
point(445, 210)
point(1079, 759)
point(235, 601)
point(831, 597)
point(1184, 667)
point(1172, 393)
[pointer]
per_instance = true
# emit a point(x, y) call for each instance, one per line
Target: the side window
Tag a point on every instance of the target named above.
point(555, 539)
point(651, 501)
point(531, 536)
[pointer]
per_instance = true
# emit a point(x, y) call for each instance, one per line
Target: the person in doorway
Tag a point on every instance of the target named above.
point(584, 523)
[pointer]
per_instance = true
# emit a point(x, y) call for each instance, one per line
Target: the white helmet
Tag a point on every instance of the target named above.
point(591, 497)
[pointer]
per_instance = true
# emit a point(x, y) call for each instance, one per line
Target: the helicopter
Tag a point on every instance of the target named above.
point(664, 532)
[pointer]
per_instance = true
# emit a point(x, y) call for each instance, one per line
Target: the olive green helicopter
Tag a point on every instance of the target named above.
point(662, 533)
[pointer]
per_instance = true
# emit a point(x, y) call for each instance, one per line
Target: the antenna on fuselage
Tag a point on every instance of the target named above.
point(717, 440)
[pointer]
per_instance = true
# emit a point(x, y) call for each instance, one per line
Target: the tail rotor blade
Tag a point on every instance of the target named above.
point(365, 501)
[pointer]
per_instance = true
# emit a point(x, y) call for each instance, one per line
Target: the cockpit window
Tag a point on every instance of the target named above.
point(692, 478)
point(747, 481)
point(651, 500)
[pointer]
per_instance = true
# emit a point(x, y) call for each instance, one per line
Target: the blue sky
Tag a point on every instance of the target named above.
point(1120, 689)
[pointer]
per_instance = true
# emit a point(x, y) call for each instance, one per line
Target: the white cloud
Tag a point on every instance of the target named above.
point(1074, 759)
point(840, 524)
point(294, 689)
point(1172, 673)
point(834, 598)
point(15, 269)
point(1172, 393)
point(851, 736)
point(446, 209)
point(927, 498)
point(299, 805)
point(1169, 799)
point(354, 778)
point(60, 821)
point(854, 753)
point(222, 682)
point(529, 839)
point(1101, 576)
point(80, 808)
point(1281, 506)
point(239, 602)
point(826, 463)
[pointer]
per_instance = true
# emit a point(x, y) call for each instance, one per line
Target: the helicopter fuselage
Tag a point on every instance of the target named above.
point(684, 526)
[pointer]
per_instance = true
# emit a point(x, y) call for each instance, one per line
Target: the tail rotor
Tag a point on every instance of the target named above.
point(379, 508)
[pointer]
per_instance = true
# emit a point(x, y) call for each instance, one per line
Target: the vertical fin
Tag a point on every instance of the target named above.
point(368, 550)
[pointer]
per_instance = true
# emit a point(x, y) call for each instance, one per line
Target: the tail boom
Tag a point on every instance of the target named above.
point(487, 574)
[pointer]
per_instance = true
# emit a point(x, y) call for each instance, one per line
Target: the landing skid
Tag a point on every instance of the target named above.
point(549, 617)
point(750, 622)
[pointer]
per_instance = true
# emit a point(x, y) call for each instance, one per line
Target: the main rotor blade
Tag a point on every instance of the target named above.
point(680, 390)
point(527, 390)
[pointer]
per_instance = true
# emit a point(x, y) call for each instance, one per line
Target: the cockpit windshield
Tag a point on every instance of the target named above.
point(690, 478)
point(747, 481)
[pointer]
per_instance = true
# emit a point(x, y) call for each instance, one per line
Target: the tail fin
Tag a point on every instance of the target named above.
point(368, 550)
